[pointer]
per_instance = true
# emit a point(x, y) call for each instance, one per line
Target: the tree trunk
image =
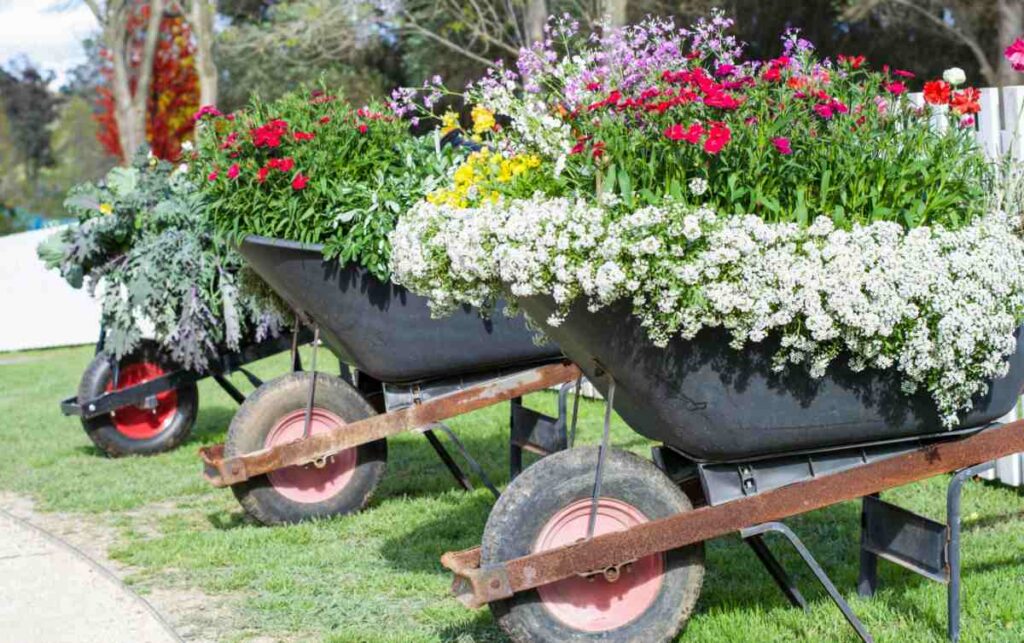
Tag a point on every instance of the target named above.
point(536, 18)
point(201, 21)
point(616, 11)
point(1010, 17)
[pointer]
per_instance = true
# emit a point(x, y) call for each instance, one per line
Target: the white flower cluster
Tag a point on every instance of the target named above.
point(940, 306)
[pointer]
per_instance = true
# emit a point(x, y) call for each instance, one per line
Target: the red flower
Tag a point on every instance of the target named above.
point(581, 144)
point(937, 92)
point(896, 88)
point(1015, 54)
point(903, 73)
point(234, 171)
point(212, 176)
point(325, 120)
point(300, 181)
point(283, 165)
point(269, 135)
point(593, 87)
point(721, 100)
point(303, 136)
point(678, 133)
point(966, 101)
point(718, 137)
point(781, 144)
point(598, 150)
point(855, 62)
point(262, 174)
point(230, 141)
point(773, 75)
point(363, 128)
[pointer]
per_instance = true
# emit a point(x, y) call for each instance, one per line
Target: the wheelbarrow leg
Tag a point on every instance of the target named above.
point(953, 544)
point(515, 452)
point(453, 467)
point(867, 579)
point(778, 573)
point(819, 573)
point(229, 388)
point(473, 464)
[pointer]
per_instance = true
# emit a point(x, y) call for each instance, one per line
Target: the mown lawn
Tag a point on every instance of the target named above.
point(376, 576)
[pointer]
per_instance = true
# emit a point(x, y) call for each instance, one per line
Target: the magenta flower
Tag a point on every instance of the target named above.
point(824, 110)
point(234, 171)
point(896, 88)
point(1015, 54)
point(781, 144)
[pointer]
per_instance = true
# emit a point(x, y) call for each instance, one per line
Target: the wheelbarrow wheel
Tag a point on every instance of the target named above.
point(275, 414)
point(549, 506)
point(146, 429)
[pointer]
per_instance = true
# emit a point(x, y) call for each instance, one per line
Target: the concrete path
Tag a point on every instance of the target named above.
point(51, 593)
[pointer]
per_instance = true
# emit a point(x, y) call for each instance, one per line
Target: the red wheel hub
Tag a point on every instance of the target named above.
point(314, 482)
point(136, 422)
point(597, 604)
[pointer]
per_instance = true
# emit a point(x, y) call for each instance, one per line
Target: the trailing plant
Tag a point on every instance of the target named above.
point(308, 167)
point(143, 247)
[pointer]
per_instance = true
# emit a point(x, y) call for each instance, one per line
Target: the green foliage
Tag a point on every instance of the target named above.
point(309, 168)
point(141, 233)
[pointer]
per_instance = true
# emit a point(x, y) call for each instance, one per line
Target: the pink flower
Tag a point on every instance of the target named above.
point(781, 144)
point(1015, 54)
point(282, 165)
point(902, 73)
point(234, 171)
point(300, 181)
point(204, 111)
point(212, 176)
point(967, 121)
point(262, 174)
point(363, 128)
point(824, 110)
point(896, 88)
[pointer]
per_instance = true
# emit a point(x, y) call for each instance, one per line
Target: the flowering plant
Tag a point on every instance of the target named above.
point(141, 233)
point(642, 111)
point(799, 197)
point(308, 167)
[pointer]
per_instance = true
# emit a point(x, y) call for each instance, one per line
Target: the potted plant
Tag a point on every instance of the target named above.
point(766, 256)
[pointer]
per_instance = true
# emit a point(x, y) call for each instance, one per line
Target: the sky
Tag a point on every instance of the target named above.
point(51, 38)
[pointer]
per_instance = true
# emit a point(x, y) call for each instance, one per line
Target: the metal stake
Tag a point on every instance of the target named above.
point(312, 386)
point(296, 360)
point(601, 456)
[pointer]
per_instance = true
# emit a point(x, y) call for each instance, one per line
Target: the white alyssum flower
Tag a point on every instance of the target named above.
point(698, 186)
point(954, 76)
point(939, 306)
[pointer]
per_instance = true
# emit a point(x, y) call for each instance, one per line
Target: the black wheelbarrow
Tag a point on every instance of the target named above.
point(314, 445)
point(600, 544)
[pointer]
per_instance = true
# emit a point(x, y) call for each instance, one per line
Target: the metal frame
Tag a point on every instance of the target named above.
point(421, 414)
point(476, 586)
point(225, 364)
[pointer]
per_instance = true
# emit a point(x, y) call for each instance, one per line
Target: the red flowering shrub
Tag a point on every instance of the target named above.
point(308, 167)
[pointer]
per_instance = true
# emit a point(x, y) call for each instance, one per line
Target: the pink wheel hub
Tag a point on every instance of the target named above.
point(136, 422)
point(598, 605)
point(314, 482)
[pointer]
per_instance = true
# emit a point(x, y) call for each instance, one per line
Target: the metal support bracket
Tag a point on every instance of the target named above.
point(928, 548)
point(777, 572)
point(536, 432)
point(819, 573)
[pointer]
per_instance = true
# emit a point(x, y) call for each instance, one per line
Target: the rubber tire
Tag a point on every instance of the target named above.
point(550, 485)
point(101, 429)
point(258, 416)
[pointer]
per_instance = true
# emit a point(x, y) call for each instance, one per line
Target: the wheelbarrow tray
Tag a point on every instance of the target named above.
point(381, 328)
point(715, 404)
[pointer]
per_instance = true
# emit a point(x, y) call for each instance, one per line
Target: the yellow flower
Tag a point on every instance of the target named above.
point(483, 119)
point(449, 122)
point(106, 208)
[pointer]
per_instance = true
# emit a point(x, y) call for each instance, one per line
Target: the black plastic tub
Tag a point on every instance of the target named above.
point(715, 404)
point(382, 329)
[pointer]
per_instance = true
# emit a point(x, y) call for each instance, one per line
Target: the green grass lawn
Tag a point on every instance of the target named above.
point(376, 576)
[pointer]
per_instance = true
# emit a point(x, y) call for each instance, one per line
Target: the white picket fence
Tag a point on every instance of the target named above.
point(1000, 133)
